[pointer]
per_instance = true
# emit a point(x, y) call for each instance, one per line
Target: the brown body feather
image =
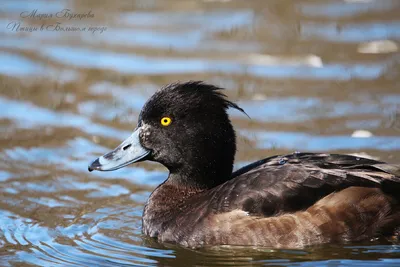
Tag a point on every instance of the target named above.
point(292, 201)
point(353, 214)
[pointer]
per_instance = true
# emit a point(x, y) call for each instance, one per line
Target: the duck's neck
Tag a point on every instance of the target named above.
point(203, 171)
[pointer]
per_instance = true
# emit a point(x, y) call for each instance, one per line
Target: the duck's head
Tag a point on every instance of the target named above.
point(185, 127)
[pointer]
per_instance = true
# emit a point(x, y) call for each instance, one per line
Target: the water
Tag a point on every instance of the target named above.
point(310, 74)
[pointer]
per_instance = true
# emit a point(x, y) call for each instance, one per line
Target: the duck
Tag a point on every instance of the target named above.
point(285, 201)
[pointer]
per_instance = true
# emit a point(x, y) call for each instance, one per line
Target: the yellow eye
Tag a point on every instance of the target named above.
point(166, 121)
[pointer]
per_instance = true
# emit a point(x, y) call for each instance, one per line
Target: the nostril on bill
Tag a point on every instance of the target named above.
point(126, 147)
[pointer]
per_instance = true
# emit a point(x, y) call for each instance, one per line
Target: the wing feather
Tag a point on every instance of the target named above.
point(296, 181)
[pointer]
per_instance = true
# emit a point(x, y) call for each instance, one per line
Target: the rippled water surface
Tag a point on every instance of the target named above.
point(310, 74)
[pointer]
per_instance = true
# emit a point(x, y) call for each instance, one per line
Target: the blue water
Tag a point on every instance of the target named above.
point(296, 68)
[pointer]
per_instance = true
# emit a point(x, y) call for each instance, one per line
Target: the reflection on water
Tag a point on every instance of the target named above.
point(308, 73)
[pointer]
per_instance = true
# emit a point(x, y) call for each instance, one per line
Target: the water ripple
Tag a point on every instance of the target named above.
point(309, 75)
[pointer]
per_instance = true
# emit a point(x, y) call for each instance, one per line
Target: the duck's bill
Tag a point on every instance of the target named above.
point(128, 152)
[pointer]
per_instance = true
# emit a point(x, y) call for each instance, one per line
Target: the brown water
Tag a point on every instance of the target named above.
point(309, 74)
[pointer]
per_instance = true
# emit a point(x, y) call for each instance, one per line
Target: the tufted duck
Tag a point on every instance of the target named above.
point(289, 201)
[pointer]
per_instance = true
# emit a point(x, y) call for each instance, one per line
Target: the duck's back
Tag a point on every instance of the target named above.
point(290, 201)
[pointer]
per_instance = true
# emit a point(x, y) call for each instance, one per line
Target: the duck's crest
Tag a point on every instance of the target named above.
point(201, 90)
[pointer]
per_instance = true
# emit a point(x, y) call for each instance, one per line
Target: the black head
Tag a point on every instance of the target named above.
point(185, 127)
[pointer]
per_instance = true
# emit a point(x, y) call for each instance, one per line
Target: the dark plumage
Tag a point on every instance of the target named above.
point(287, 201)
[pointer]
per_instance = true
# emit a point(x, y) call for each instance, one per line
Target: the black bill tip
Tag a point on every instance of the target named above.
point(95, 165)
